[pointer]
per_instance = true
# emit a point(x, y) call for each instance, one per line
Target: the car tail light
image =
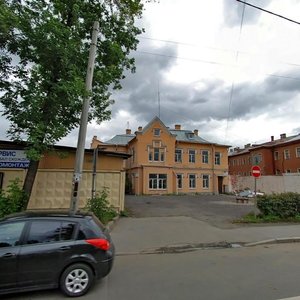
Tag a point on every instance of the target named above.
point(102, 244)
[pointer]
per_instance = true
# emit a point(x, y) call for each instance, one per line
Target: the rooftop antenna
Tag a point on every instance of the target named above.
point(158, 98)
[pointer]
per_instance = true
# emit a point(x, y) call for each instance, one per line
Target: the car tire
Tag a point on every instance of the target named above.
point(76, 280)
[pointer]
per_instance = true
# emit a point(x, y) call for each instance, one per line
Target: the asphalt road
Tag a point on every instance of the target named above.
point(260, 273)
point(268, 272)
point(217, 210)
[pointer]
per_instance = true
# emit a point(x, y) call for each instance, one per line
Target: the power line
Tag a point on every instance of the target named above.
point(269, 12)
point(209, 62)
point(218, 49)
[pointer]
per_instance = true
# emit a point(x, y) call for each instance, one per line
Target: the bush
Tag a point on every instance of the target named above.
point(13, 200)
point(284, 205)
point(100, 206)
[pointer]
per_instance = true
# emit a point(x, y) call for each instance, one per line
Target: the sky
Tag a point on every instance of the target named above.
point(229, 70)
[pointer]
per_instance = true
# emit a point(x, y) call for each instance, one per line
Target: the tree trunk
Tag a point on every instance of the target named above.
point(30, 177)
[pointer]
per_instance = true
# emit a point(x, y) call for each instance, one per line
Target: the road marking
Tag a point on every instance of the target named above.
point(293, 298)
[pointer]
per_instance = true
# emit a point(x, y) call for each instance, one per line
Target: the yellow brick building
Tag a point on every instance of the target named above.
point(170, 161)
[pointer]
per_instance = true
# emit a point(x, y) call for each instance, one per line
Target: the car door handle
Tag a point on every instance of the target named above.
point(64, 248)
point(7, 255)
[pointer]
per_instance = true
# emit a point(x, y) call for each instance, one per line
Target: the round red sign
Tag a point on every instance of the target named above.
point(256, 172)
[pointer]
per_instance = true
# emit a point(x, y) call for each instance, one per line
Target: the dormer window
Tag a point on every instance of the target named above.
point(156, 132)
point(191, 136)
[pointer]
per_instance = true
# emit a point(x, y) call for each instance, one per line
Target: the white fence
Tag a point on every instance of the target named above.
point(266, 184)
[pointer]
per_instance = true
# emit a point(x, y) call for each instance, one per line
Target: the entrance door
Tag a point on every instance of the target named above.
point(220, 184)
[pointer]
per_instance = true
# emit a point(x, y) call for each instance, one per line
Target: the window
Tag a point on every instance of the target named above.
point(133, 154)
point(205, 181)
point(10, 234)
point(157, 181)
point(178, 155)
point(156, 131)
point(256, 159)
point(298, 152)
point(156, 154)
point(276, 155)
point(50, 231)
point(277, 172)
point(298, 170)
point(192, 154)
point(204, 156)
point(218, 158)
point(179, 181)
point(192, 181)
point(288, 171)
point(287, 154)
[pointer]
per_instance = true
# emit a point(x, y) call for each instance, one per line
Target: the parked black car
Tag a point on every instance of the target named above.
point(50, 249)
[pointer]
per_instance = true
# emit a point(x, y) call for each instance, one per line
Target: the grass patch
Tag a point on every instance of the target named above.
point(259, 218)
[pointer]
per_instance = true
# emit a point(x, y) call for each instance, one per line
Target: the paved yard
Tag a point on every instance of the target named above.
point(217, 210)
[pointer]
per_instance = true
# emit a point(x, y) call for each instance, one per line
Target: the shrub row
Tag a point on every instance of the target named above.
point(13, 200)
point(284, 205)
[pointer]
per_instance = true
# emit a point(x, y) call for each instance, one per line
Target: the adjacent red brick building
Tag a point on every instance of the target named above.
point(274, 157)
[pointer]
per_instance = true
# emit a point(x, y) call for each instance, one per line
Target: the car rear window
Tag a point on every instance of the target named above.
point(90, 230)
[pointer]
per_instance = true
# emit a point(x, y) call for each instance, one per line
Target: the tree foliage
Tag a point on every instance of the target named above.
point(44, 48)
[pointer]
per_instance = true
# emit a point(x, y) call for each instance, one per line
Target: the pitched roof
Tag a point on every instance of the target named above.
point(188, 136)
point(270, 144)
point(120, 139)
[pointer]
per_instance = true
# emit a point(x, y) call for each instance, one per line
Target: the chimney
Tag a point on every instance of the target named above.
point(94, 137)
point(272, 138)
point(128, 131)
point(140, 128)
point(283, 136)
point(236, 149)
point(196, 132)
point(247, 146)
point(177, 127)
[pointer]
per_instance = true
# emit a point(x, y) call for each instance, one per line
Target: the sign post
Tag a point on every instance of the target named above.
point(256, 172)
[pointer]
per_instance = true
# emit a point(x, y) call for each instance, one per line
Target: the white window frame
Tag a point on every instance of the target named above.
point(192, 156)
point(205, 156)
point(157, 181)
point(218, 159)
point(178, 156)
point(192, 181)
point(287, 154)
point(205, 181)
point(298, 152)
point(276, 155)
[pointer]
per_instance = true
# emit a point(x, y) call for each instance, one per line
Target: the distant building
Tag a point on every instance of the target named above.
point(274, 157)
point(167, 161)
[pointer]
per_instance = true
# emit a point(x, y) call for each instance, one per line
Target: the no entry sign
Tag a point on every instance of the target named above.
point(256, 172)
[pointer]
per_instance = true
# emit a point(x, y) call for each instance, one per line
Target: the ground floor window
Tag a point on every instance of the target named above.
point(192, 181)
point(205, 181)
point(179, 181)
point(157, 181)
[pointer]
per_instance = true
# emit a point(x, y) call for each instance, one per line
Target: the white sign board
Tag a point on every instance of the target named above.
point(13, 159)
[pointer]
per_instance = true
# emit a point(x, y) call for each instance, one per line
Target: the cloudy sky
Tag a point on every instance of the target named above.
point(231, 71)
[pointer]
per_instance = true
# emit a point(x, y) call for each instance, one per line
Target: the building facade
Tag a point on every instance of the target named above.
point(276, 157)
point(170, 161)
point(53, 183)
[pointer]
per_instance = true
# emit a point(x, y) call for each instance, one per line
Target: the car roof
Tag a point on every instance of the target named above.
point(47, 214)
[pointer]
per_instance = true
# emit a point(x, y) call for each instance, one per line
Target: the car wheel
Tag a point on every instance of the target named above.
point(76, 280)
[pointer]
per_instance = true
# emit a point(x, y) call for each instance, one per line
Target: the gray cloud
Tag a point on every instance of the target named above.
point(233, 10)
point(187, 104)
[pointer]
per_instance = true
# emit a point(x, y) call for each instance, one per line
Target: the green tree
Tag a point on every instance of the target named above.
point(44, 48)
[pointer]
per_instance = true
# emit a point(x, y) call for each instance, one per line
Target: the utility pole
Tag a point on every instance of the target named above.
point(83, 123)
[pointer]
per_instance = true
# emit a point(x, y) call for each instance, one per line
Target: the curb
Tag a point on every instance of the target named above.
point(110, 225)
point(274, 241)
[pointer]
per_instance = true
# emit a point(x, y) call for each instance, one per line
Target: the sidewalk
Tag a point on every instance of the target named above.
point(135, 235)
